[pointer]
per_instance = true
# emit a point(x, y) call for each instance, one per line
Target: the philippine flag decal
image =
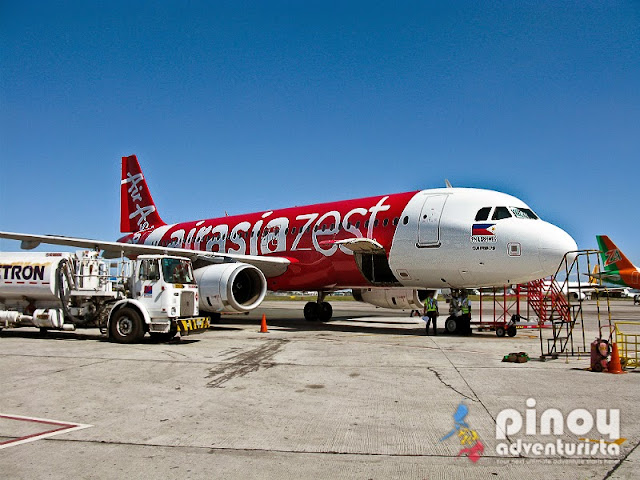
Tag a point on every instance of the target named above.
point(483, 233)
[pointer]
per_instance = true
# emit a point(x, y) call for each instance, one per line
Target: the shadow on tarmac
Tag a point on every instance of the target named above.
point(84, 336)
point(378, 327)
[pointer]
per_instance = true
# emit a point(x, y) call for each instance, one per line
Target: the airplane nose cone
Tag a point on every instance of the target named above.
point(554, 243)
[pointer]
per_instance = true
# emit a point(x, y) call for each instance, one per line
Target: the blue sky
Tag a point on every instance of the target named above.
point(246, 106)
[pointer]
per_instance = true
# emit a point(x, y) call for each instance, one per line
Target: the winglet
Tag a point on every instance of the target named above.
point(137, 210)
point(612, 258)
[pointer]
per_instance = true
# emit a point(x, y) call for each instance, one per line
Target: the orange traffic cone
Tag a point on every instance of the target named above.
point(614, 364)
point(263, 325)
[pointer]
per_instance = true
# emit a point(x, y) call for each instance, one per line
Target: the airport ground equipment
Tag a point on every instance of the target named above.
point(627, 336)
point(506, 310)
point(157, 294)
point(564, 311)
point(599, 354)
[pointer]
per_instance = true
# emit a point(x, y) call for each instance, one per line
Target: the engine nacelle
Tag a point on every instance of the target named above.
point(578, 295)
point(397, 298)
point(230, 287)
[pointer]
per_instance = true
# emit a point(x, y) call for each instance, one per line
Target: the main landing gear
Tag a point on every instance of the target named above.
point(319, 311)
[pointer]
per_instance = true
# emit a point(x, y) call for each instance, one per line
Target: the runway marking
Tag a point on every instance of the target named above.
point(61, 427)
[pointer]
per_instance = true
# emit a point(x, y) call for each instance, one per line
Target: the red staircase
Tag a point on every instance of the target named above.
point(548, 301)
point(551, 305)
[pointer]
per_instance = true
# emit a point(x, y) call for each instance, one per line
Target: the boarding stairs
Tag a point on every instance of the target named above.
point(552, 307)
point(559, 304)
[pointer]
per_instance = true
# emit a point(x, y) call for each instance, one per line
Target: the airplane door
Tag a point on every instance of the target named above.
point(429, 223)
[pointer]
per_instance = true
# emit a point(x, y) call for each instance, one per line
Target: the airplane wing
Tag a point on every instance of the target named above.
point(605, 277)
point(270, 266)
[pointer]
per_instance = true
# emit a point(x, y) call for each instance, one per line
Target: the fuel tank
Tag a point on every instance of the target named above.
point(30, 275)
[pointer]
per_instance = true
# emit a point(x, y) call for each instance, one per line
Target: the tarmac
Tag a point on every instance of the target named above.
point(365, 396)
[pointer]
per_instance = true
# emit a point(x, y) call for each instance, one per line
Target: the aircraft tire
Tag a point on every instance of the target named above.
point(312, 312)
point(126, 326)
point(325, 311)
point(512, 330)
point(500, 331)
point(451, 325)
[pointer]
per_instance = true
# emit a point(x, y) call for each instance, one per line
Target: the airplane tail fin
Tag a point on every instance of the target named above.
point(612, 258)
point(137, 210)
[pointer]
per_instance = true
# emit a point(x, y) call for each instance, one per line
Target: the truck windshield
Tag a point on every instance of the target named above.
point(177, 271)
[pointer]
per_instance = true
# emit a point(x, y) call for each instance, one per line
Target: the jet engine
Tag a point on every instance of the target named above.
point(230, 287)
point(397, 298)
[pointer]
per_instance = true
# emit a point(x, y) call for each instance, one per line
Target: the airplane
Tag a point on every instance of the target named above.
point(618, 270)
point(389, 249)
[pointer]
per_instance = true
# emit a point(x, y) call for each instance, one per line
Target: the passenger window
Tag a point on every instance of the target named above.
point(395, 221)
point(385, 222)
point(483, 214)
point(405, 220)
point(501, 213)
point(293, 231)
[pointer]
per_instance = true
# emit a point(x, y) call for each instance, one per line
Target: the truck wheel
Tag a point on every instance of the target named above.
point(500, 331)
point(450, 325)
point(126, 326)
point(512, 330)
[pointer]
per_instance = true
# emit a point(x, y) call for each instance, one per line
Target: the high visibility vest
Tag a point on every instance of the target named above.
point(466, 306)
point(431, 304)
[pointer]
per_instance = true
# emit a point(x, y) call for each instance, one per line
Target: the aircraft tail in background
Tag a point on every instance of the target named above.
point(593, 277)
point(613, 260)
point(137, 209)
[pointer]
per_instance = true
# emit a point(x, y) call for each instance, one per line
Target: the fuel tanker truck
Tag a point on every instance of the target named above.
point(155, 294)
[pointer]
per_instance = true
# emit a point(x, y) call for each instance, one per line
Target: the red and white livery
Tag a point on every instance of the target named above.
point(387, 247)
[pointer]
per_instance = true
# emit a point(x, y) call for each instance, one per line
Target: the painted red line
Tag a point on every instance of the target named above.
point(59, 427)
point(39, 434)
point(36, 420)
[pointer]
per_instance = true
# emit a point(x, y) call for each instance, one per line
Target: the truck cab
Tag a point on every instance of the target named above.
point(165, 286)
point(162, 290)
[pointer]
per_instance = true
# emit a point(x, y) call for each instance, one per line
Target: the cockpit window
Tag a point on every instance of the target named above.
point(483, 214)
point(526, 213)
point(501, 213)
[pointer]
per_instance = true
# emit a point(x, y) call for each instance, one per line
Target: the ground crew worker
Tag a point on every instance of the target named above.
point(431, 311)
point(454, 305)
point(465, 306)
